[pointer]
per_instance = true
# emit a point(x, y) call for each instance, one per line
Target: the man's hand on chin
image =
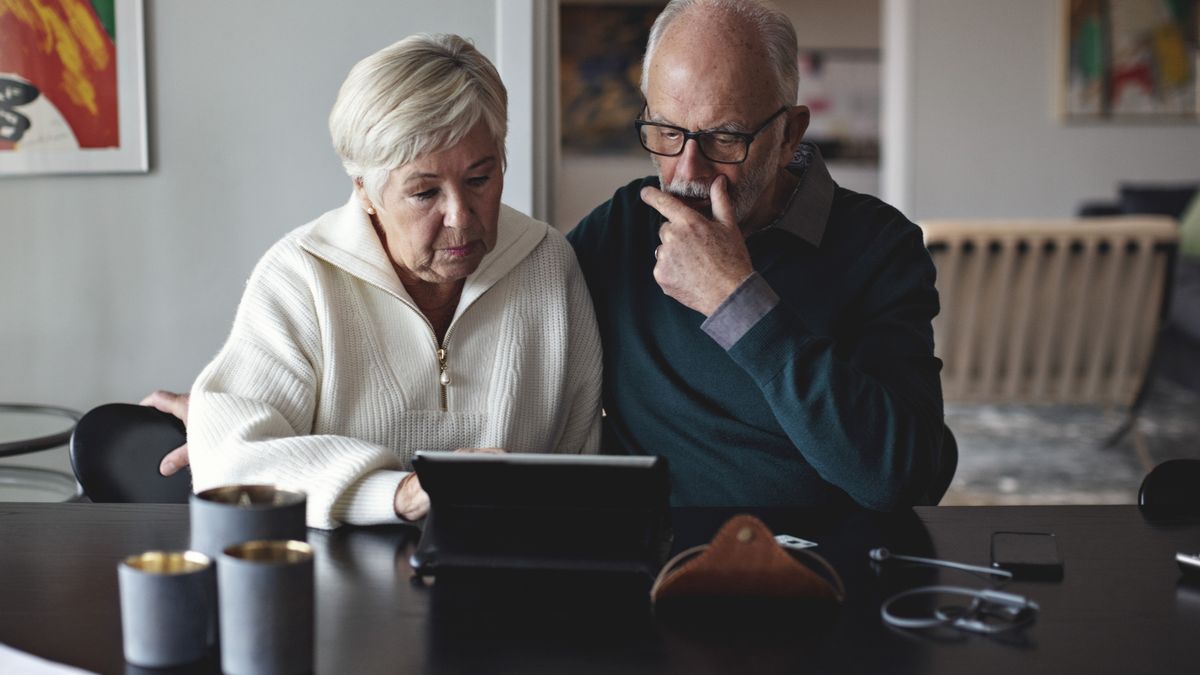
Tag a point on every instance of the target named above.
point(701, 261)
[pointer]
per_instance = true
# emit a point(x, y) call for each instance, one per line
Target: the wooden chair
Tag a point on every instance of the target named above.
point(1049, 311)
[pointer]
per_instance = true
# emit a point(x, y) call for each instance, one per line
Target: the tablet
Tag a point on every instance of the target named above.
point(587, 513)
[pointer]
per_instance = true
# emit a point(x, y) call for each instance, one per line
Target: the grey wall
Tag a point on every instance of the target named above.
point(113, 285)
point(986, 140)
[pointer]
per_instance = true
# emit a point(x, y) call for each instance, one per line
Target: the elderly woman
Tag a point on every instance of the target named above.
point(421, 315)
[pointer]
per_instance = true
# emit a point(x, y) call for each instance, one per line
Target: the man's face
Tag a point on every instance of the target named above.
point(700, 81)
point(691, 181)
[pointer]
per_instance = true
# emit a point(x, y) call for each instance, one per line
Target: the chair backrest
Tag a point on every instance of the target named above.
point(947, 465)
point(116, 449)
point(1171, 489)
point(1051, 311)
point(943, 473)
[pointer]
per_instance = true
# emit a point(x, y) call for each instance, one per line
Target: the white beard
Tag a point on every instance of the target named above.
point(744, 194)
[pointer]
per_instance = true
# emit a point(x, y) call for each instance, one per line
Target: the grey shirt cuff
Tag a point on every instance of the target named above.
point(744, 307)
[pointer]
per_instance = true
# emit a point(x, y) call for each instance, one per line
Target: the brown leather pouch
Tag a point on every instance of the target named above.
point(744, 562)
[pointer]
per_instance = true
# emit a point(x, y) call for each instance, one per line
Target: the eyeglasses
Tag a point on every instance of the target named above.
point(723, 147)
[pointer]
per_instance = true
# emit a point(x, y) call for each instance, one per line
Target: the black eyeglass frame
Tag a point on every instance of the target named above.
point(748, 138)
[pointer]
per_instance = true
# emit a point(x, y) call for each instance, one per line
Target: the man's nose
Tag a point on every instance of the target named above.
point(693, 165)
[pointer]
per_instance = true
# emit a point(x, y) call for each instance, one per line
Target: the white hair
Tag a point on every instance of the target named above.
point(773, 27)
point(420, 95)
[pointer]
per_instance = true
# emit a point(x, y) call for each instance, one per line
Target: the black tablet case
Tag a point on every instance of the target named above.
point(574, 513)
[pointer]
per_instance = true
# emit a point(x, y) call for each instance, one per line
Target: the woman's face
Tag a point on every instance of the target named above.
point(438, 213)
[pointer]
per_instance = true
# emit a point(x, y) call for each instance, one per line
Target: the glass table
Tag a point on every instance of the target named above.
point(26, 432)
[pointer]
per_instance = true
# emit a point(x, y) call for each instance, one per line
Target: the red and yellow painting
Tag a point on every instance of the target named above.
point(1130, 58)
point(58, 75)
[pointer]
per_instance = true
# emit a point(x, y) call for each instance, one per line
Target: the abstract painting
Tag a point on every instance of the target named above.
point(1130, 59)
point(600, 75)
point(72, 92)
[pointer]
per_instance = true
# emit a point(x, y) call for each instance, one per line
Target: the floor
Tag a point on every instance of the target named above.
point(1014, 454)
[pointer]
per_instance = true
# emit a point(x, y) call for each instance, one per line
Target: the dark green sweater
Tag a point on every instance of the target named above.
point(830, 398)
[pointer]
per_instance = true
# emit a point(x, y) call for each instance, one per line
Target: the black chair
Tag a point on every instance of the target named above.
point(116, 450)
point(947, 465)
point(1171, 490)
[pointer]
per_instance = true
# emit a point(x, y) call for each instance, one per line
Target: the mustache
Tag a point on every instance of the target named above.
point(687, 189)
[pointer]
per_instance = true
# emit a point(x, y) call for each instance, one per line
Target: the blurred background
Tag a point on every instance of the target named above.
point(974, 113)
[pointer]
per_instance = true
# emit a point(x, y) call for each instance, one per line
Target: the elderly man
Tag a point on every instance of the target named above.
point(764, 329)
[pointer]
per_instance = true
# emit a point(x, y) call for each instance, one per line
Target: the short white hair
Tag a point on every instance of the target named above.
point(774, 29)
point(420, 95)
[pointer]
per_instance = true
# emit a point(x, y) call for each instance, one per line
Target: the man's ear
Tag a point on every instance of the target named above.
point(797, 123)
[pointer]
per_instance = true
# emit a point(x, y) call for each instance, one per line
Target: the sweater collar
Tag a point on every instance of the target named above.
point(346, 239)
point(808, 211)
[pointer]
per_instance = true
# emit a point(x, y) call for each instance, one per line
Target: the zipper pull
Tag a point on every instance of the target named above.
point(444, 377)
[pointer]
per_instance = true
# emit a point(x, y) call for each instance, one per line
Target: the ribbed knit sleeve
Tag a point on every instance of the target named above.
point(252, 408)
point(370, 500)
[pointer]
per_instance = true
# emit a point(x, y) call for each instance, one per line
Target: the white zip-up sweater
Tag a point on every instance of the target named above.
point(330, 380)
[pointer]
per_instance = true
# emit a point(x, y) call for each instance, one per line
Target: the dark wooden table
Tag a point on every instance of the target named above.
point(1119, 609)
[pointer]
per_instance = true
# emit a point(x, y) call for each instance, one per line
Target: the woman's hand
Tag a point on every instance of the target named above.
point(177, 405)
point(412, 502)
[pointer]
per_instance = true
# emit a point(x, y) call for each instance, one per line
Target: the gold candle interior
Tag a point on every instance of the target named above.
point(168, 562)
point(279, 552)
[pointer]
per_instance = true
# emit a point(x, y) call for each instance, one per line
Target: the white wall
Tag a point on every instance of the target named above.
point(113, 285)
point(985, 138)
point(824, 24)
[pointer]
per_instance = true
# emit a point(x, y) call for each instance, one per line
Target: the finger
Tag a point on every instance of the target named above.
point(418, 503)
point(420, 507)
point(156, 398)
point(668, 205)
point(169, 402)
point(411, 483)
point(660, 276)
point(174, 461)
point(182, 403)
point(412, 502)
point(722, 204)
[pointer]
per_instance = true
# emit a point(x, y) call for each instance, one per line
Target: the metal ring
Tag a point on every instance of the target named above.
point(21, 447)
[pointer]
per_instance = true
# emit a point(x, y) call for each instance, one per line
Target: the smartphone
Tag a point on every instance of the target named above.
point(1028, 555)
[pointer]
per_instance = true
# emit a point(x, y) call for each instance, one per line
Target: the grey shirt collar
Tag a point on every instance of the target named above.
point(808, 211)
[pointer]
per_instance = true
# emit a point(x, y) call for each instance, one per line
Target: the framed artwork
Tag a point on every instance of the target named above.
point(1130, 60)
point(601, 69)
point(841, 88)
point(72, 87)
